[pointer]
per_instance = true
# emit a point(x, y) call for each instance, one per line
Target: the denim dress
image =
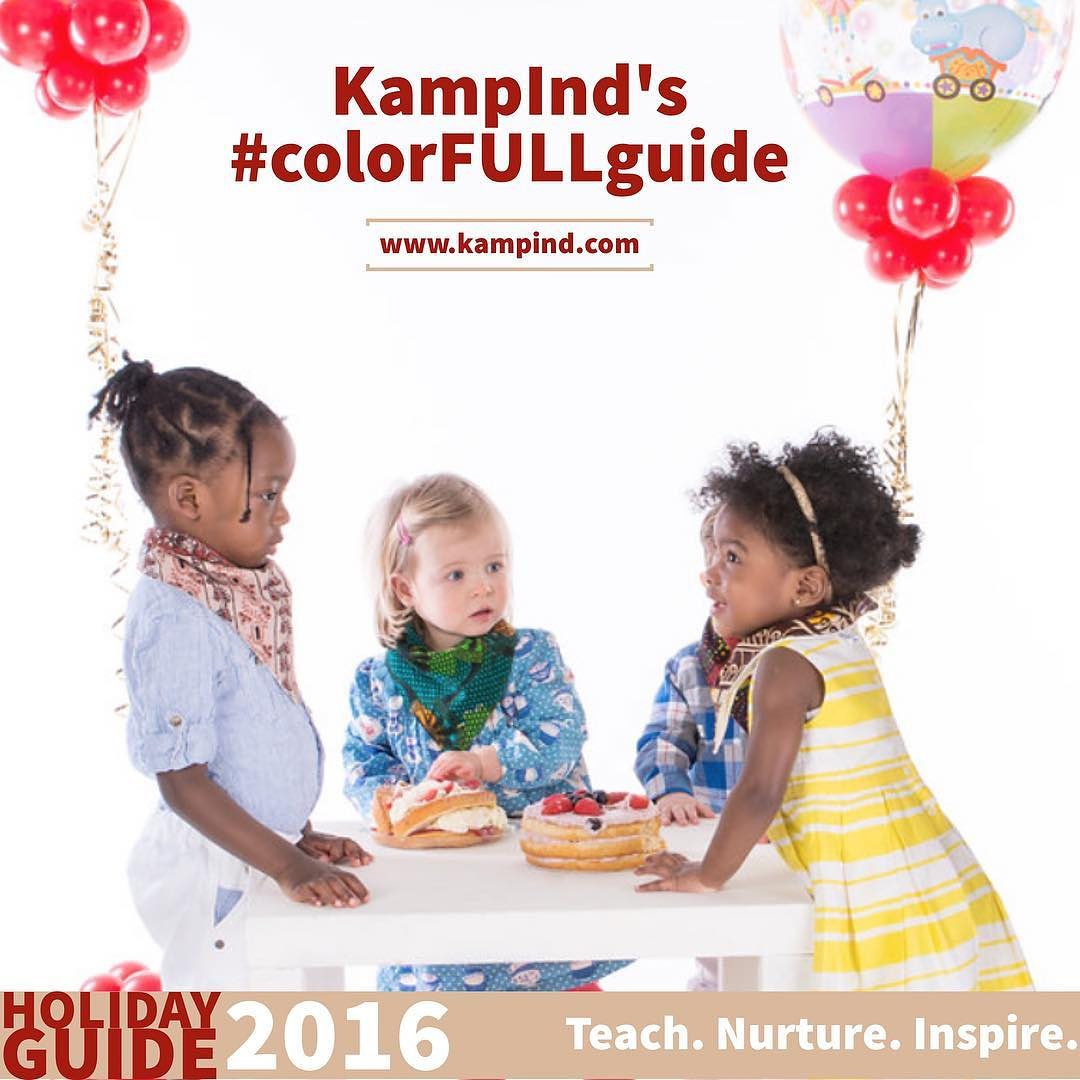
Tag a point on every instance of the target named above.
point(199, 696)
point(539, 729)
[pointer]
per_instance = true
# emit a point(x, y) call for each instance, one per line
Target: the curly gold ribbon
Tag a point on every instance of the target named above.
point(905, 330)
point(106, 520)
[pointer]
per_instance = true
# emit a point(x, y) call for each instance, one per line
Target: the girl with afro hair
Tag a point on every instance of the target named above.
point(798, 543)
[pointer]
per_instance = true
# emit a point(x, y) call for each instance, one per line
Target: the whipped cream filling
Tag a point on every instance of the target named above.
point(477, 817)
point(408, 798)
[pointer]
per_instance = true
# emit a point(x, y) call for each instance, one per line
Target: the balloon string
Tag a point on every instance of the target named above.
point(905, 331)
point(106, 520)
point(126, 140)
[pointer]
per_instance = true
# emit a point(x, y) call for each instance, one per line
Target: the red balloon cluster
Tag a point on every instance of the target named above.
point(125, 976)
point(923, 222)
point(92, 50)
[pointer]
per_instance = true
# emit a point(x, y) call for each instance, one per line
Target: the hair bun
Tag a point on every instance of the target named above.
point(118, 395)
point(908, 546)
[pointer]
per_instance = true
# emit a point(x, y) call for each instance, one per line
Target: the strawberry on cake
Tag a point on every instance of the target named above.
point(591, 830)
point(437, 813)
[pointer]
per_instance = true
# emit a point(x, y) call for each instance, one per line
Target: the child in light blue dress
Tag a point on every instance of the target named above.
point(216, 713)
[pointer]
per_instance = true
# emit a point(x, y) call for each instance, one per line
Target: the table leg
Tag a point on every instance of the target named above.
point(745, 973)
point(275, 979)
point(316, 979)
point(324, 979)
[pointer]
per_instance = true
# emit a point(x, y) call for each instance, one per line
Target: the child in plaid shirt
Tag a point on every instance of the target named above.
point(681, 771)
point(676, 763)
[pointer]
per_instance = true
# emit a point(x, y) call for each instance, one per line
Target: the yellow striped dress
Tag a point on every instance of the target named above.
point(899, 900)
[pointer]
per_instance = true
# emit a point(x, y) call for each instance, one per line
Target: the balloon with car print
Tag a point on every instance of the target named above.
point(896, 85)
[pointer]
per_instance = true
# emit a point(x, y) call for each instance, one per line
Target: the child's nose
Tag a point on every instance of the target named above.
point(282, 515)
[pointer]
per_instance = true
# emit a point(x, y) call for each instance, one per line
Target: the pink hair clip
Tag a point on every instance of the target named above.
point(403, 534)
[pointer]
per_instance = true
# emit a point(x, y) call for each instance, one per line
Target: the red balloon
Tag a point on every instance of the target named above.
point(924, 202)
point(861, 206)
point(126, 969)
point(32, 31)
point(986, 208)
point(122, 88)
point(946, 258)
point(109, 31)
point(141, 980)
point(892, 256)
point(69, 82)
point(50, 107)
point(101, 982)
point(168, 35)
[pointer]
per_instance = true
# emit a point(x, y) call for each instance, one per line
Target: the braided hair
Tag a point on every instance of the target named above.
point(184, 419)
point(863, 534)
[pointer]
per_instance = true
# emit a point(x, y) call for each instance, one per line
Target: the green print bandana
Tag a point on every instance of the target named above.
point(453, 692)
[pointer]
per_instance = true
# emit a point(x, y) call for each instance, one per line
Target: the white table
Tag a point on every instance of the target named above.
point(486, 903)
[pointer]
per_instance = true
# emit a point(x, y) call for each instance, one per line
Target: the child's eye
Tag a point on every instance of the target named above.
point(269, 496)
point(731, 557)
point(455, 575)
point(494, 567)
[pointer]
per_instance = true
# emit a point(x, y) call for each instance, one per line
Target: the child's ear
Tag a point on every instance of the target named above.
point(813, 587)
point(184, 496)
point(402, 589)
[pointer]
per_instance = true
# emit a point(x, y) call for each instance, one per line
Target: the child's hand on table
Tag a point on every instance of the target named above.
point(675, 873)
point(465, 765)
point(333, 849)
point(309, 881)
point(679, 808)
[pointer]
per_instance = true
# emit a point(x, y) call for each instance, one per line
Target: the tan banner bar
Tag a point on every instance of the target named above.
point(534, 1035)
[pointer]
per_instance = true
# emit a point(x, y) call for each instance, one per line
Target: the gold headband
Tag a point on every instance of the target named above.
point(807, 508)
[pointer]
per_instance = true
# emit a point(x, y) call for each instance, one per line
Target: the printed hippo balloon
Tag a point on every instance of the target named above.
point(895, 85)
point(989, 28)
point(837, 12)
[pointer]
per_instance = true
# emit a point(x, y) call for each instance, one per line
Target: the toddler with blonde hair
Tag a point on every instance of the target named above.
point(460, 694)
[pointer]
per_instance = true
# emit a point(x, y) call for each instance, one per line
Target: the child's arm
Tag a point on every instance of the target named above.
point(329, 847)
point(173, 666)
point(370, 761)
point(786, 688)
point(666, 752)
point(545, 733)
point(204, 805)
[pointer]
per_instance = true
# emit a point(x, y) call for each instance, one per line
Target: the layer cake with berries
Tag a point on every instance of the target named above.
point(591, 830)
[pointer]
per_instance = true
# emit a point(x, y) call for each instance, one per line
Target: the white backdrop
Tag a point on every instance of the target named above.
point(587, 404)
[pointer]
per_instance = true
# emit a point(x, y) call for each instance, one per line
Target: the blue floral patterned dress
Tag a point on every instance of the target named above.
point(539, 729)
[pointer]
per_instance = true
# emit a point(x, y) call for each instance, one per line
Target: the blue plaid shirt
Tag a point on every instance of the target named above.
point(676, 751)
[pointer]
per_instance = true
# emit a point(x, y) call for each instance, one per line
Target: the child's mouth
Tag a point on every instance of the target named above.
point(483, 613)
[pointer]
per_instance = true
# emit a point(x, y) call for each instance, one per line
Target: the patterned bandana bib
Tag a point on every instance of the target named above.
point(726, 660)
point(453, 692)
point(256, 603)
